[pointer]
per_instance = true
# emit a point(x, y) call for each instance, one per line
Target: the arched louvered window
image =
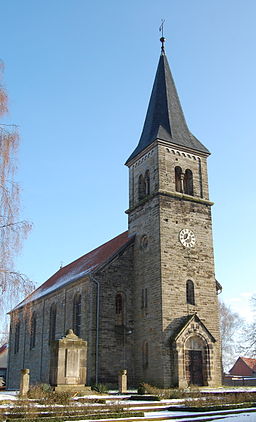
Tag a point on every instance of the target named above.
point(77, 314)
point(33, 331)
point(190, 292)
point(188, 182)
point(141, 188)
point(17, 337)
point(147, 183)
point(145, 354)
point(178, 184)
point(52, 322)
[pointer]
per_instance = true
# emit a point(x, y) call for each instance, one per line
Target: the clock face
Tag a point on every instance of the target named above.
point(187, 238)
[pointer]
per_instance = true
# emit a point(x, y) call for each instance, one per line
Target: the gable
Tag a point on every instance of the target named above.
point(190, 325)
point(243, 366)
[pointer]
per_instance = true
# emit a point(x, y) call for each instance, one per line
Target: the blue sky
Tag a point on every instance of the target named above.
point(79, 76)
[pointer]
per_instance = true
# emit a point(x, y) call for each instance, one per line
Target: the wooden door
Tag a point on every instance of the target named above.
point(194, 367)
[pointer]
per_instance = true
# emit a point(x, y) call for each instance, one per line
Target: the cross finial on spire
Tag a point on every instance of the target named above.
point(162, 39)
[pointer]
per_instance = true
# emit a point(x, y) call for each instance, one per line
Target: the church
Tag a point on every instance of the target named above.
point(147, 300)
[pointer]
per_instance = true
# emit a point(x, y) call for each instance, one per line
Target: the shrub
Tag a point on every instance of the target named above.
point(53, 397)
point(166, 393)
point(141, 389)
point(44, 394)
point(85, 400)
point(100, 388)
point(36, 391)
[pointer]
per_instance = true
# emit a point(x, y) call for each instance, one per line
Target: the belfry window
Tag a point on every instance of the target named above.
point(141, 188)
point(147, 183)
point(33, 331)
point(52, 322)
point(17, 337)
point(77, 314)
point(178, 184)
point(190, 292)
point(144, 185)
point(188, 182)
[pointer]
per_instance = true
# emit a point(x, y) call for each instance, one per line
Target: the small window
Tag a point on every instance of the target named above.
point(188, 182)
point(52, 322)
point(145, 354)
point(190, 292)
point(144, 299)
point(33, 331)
point(120, 308)
point(178, 184)
point(119, 303)
point(17, 337)
point(77, 314)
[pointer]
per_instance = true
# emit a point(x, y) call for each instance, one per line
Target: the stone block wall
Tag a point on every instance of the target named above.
point(116, 331)
point(37, 359)
point(164, 265)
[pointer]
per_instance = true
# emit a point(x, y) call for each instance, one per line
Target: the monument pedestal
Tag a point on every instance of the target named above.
point(76, 388)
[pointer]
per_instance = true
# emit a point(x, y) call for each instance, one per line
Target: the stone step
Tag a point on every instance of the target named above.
point(184, 417)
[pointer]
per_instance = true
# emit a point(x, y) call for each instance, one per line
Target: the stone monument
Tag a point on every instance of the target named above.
point(69, 363)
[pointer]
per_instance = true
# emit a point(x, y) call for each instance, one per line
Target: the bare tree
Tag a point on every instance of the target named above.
point(13, 230)
point(248, 348)
point(231, 329)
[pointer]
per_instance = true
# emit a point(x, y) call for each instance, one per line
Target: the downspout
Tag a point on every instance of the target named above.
point(9, 354)
point(94, 280)
point(24, 344)
point(42, 343)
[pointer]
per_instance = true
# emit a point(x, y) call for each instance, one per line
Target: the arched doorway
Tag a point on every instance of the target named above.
point(195, 360)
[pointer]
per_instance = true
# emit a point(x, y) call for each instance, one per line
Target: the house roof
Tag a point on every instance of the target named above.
point(3, 348)
point(86, 264)
point(165, 119)
point(250, 362)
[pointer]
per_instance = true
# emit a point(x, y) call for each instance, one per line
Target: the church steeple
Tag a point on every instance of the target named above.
point(165, 119)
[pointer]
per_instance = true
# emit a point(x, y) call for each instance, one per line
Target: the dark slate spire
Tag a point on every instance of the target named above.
point(165, 119)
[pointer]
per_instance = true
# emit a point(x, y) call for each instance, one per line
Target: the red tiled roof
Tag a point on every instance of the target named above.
point(81, 267)
point(250, 362)
point(3, 348)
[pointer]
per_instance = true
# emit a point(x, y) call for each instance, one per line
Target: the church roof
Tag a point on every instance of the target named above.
point(165, 119)
point(86, 264)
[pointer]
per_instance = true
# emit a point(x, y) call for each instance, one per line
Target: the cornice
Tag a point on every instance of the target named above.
point(175, 195)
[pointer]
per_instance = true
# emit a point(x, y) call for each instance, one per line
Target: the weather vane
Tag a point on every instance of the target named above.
point(161, 29)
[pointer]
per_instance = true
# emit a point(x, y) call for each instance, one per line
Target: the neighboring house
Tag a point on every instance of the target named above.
point(3, 363)
point(145, 301)
point(245, 367)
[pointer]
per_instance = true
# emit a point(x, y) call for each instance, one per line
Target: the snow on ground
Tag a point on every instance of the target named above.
point(8, 395)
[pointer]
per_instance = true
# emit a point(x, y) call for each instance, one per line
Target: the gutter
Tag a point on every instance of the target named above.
point(94, 280)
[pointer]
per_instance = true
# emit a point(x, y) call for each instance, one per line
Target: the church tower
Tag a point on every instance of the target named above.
point(176, 328)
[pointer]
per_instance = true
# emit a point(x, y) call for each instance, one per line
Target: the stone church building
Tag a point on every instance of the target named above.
point(145, 301)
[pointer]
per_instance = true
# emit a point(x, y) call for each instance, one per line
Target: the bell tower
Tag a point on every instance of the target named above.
point(176, 330)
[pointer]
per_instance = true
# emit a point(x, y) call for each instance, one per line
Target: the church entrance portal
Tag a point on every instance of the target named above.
point(195, 361)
